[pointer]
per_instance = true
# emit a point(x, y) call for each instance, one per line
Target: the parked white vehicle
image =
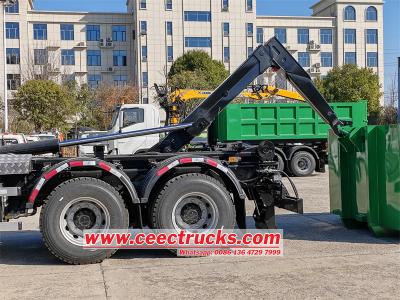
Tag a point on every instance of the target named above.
point(31, 139)
point(44, 136)
point(12, 139)
point(133, 117)
point(87, 150)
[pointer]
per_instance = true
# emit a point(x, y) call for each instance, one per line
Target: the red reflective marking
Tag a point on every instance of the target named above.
point(51, 174)
point(33, 195)
point(104, 166)
point(212, 163)
point(162, 171)
point(76, 164)
point(185, 160)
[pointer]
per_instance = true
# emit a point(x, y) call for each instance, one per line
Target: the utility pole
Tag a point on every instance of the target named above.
point(398, 91)
point(6, 3)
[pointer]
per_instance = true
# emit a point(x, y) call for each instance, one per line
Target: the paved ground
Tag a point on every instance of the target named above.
point(322, 260)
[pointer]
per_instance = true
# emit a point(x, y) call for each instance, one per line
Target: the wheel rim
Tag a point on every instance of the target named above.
point(304, 163)
point(84, 213)
point(195, 211)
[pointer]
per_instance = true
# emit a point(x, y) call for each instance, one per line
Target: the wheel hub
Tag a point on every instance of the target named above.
point(303, 164)
point(195, 211)
point(84, 219)
point(191, 214)
point(83, 214)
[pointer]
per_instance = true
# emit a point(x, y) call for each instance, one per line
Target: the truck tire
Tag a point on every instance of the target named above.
point(79, 204)
point(281, 163)
point(302, 164)
point(193, 201)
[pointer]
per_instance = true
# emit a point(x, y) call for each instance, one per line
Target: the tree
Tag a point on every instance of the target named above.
point(107, 97)
point(350, 84)
point(197, 70)
point(44, 104)
point(388, 113)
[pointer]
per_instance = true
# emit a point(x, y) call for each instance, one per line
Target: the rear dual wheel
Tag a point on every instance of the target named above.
point(193, 201)
point(302, 164)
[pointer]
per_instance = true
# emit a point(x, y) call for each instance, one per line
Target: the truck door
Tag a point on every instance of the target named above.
point(131, 119)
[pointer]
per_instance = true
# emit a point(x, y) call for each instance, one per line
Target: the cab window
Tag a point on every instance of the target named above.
point(133, 116)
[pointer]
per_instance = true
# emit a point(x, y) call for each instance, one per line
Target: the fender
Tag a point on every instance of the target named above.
point(79, 163)
point(166, 166)
point(281, 153)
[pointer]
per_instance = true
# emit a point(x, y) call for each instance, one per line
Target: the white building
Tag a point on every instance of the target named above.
point(140, 45)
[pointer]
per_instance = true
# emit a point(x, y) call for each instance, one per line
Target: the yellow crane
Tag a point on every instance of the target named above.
point(174, 103)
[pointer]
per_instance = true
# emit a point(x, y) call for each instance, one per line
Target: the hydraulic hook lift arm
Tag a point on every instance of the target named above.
point(270, 55)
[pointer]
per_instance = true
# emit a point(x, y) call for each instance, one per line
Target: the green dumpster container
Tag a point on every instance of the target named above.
point(364, 178)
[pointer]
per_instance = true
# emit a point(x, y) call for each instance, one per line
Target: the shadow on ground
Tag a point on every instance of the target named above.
point(27, 247)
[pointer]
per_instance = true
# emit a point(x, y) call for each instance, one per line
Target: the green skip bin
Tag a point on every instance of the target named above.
point(364, 178)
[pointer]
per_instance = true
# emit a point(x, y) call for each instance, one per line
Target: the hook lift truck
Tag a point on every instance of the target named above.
point(166, 187)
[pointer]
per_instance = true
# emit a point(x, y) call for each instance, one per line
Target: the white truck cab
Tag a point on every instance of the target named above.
point(133, 117)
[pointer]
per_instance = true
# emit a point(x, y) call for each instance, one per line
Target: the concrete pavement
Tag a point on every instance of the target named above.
point(322, 260)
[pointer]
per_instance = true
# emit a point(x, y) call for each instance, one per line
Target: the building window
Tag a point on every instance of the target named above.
point(170, 54)
point(13, 81)
point(249, 28)
point(249, 51)
point(94, 58)
point(145, 79)
point(326, 36)
point(371, 14)
point(349, 13)
point(225, 5)
point(119, 33)
point(13, 56)
point(68, 78)
point(303, 36)
point(168, 4)
point(67, 32)
point(169, 28)
point(304, 59)
point(120, 58)
point(143, 4)
point(372, 59)
point(249, 5)
point(350, 36)
point(94, 81)
point(143, 27)
point(93, 32)
point(68, 57)
point(120, 80)
point(12, 30)
point(144, 53)
point(326, 59)
point(198, 42)
point(260, 35)
point(227, 54)
point(226, 29)
point(40, 32)
point(372, 36)
point(280, 34)
point(350, 58)
point(13, 9)
point(198, 16)
point(40, 57)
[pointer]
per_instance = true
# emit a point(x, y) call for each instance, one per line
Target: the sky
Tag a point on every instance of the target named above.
point(264, 7)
